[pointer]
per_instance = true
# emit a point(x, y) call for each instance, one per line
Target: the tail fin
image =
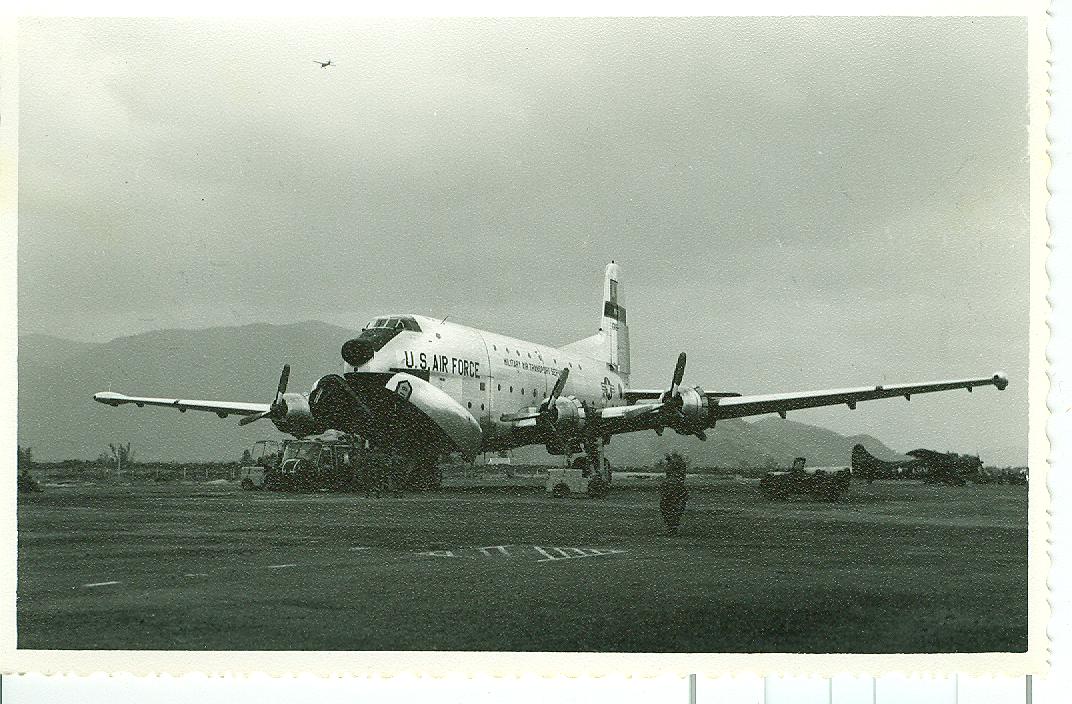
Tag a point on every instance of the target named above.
point(611, 343)
point(864, 464)
point(613, 323)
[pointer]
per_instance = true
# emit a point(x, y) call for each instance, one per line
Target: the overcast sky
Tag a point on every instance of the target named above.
point(797, 203)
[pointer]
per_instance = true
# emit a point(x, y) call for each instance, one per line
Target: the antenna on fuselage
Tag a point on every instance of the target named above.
point(444, 318)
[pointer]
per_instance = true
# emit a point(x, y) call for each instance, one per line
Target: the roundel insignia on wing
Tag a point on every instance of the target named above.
point(404, 390)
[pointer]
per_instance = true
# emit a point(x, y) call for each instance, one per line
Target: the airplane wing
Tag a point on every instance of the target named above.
point(634, 395)
point(741, 406)
point(647, 415)
point(220, 408)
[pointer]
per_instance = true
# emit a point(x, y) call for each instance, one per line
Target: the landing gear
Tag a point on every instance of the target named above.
point(596, 467)
point(392, 472)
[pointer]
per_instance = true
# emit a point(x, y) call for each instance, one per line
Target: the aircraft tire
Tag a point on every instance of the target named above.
point(597, 488)
point(247, 484)
point(560, 491)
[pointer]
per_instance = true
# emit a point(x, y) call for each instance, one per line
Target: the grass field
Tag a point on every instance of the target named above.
point(895, 567)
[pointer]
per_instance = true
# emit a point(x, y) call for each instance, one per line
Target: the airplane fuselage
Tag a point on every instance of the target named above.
point(486, 373)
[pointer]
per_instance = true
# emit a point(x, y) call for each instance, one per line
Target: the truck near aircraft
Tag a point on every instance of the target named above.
point(331, 461)
point(579, 479)
point(826, 483)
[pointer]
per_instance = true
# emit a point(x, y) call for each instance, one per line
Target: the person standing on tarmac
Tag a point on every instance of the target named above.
point(673, 493)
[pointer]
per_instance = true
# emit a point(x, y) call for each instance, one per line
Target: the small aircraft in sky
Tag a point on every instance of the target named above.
point(421, 387)
point(324, 64)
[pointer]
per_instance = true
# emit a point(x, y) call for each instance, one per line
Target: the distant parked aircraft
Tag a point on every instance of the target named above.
point(930, 466)
point(324, 64)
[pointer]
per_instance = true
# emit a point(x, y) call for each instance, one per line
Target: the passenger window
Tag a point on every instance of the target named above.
point(482, 386)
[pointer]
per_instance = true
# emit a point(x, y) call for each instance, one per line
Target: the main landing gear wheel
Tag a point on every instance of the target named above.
point(597, 488)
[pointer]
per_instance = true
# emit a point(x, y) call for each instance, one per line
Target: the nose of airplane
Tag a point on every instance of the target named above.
point(356, 352)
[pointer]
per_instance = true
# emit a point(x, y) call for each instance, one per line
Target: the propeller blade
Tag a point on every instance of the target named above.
point(679, 370)
point(246, 420)
point(283, 379)
point(560, 384)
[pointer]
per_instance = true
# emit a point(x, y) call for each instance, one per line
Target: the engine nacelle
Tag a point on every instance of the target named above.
point(565, 435)
point(694, 408)
point(457, 423)
point(299, 420)
point(570, 416)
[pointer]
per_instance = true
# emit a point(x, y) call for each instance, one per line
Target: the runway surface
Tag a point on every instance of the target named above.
point(894, 567)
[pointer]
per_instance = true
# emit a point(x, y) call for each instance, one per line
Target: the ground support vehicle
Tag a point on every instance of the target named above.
point(339, 462)
point(579, 479)
point(263, 456)
point(826, 483)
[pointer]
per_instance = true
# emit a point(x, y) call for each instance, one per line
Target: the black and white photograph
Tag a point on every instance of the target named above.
point(683, 336)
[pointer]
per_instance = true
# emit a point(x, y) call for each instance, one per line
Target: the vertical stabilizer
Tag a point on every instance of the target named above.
point(611, 344)
point(613, 324)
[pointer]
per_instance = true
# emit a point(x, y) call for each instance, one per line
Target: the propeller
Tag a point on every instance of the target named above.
point(679, 374)
point(278, 409)
point(547, 409)
point(673, 402)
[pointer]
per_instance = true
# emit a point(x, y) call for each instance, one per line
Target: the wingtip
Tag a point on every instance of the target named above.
point(1001, 380)
point(110, 398)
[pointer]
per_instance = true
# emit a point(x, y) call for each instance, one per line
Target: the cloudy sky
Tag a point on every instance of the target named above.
point(798, 203)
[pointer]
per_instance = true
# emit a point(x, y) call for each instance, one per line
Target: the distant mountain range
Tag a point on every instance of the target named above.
point(59, 419)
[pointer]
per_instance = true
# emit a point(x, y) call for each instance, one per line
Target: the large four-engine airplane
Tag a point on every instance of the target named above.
point(421, 387)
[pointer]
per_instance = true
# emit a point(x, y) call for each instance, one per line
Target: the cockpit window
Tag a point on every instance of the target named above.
point(402, 322)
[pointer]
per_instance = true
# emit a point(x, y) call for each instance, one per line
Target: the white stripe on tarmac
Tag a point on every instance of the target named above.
point(279, 567)
point(98, 584)
point(196, 574)
point(546, 554)
point(356, 549)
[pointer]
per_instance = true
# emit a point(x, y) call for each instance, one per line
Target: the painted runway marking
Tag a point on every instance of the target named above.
point(438, 553)
point(543, 552)
point(279, 567)
point(196, 574)
point(546, 553)
point(569, 553)
point(358, 549)
point(98, 584)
